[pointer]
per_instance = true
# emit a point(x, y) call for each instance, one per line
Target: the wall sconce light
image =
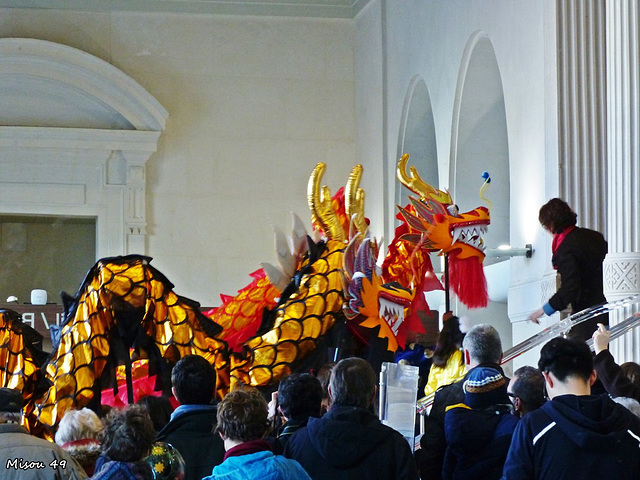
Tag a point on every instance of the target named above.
point(509, 251)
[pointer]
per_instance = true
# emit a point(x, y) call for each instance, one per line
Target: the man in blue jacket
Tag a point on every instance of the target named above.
point(349, 442)
point(576, 434)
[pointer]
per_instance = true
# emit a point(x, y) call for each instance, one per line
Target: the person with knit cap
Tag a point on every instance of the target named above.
point(481, 347)
point(478, 432)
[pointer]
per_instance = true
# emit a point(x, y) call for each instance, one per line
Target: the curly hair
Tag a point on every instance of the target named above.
point(300, 394)
point(242, 415)
point(556, 215)
point(128, 434)
point(78, 424)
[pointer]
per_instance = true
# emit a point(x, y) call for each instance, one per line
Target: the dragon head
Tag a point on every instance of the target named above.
point(432, 222)
point(434, 219)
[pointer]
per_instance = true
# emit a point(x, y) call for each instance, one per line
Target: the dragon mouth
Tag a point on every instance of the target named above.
point(393, 314)
point(391, 307)
point(470, 235)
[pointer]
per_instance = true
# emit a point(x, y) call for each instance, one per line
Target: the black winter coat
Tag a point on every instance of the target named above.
point(578, 260)
point(191, 433)
point(350, 443)
point(575, 437)
point(433, 443)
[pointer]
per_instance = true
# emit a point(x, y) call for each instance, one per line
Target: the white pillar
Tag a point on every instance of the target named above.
point(582, 109)
point(622, 265)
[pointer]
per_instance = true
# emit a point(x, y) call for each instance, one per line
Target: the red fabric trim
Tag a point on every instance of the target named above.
point(80, 443)
point(559, 237)
point(252, 446)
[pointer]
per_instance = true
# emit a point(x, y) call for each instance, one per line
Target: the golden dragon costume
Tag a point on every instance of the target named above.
point(267, 330)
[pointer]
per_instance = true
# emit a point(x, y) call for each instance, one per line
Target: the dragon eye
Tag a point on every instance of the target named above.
point(453, 210)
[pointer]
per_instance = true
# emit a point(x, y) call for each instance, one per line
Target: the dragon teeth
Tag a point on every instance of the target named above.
point(470, 235)
point(456, 235)
point(392, 313)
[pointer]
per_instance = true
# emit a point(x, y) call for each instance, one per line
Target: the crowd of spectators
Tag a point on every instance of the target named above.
point(543, 423)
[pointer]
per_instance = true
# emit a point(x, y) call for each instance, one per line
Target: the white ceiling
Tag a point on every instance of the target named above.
point(285, 8)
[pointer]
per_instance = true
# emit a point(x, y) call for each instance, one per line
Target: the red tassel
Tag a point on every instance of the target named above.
point(467, 280)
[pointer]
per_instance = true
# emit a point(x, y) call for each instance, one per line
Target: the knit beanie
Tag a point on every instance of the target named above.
point(485, 387)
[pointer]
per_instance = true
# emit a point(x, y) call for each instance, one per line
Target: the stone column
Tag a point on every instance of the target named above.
point(622, 265)
point(582, 109)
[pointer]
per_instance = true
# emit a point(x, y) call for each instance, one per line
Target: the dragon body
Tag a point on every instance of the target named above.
point(270, 327)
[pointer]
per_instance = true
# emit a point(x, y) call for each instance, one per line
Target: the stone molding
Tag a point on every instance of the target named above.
point(70, 171)
point(620, 271)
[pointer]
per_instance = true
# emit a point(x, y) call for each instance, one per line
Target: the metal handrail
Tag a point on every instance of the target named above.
point(561, 327)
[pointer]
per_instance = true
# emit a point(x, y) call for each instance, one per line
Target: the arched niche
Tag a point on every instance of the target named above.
point(479, 142)
point(479, 139)
point(75, 136)
point(417, 136)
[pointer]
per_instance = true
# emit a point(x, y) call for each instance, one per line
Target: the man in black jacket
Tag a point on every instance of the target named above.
point(190, 429)
point(349, 441)
point(575, 434)
point(481, 348)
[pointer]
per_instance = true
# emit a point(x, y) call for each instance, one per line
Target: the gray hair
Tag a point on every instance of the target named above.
point(78, 424)
point(483, 344)
point(352, 383)
point(630, 404)
point(11, 417)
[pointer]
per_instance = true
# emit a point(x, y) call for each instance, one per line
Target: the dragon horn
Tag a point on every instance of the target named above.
point(354, 200)
point(322, 213)
point(275, 276)
point(286, 259)
point(298, 236)
point(414, 183)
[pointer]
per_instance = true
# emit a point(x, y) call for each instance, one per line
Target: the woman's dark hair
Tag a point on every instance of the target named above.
point(242, 415)
point(556, 215)
point(449, 341)
point(128, 434)
point(159, 409)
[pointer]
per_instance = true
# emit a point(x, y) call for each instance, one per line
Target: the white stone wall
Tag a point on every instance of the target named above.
point(254, 103)
point(429, 38)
